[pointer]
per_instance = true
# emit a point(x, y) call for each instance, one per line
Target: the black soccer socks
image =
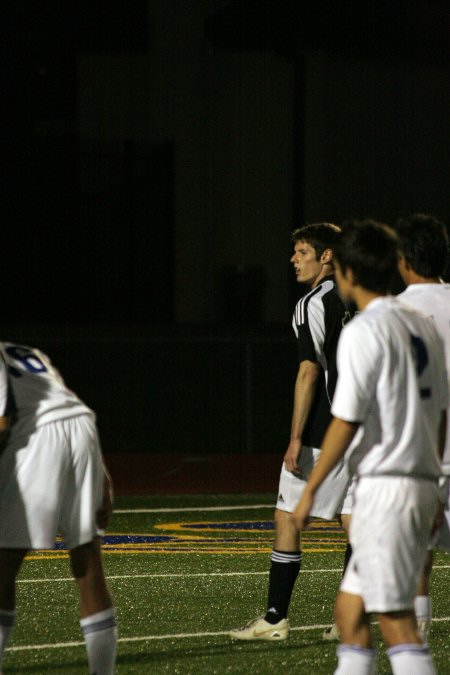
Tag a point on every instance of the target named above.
point(283, 574)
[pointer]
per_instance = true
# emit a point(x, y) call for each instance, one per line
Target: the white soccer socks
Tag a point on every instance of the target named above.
point(404, 659)
point(353, 659)
point(407, 659)
point(7, 620)
point(100, 634)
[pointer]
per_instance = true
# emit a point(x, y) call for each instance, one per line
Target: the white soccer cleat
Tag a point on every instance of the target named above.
point(260, 629)
point(331, 634)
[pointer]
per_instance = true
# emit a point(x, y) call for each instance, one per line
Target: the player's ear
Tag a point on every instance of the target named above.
point(327, 256)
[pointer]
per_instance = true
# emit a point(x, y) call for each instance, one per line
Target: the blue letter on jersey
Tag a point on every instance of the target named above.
point(421, 359)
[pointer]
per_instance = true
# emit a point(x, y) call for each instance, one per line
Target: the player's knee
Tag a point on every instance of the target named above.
point(86, 560)
point(283, 520)
point(339, 611)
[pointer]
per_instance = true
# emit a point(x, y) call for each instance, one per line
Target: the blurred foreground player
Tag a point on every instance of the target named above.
point(423, 245)
point(318, 319)
point(52, 480)
point(389, 412)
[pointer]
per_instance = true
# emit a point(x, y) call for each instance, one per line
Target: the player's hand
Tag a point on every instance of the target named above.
point(104, 513)
point(301, 515)
point(292, 455)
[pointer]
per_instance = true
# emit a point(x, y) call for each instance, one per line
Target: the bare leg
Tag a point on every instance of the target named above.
point(352, 620)
point(399, 628)
point(287, 537)
point(424, 588)
point(97, 616)
point(355, 653)
point(10, 563)
point(344, 520)
point(406, 651)
point(87, 569)
point(332, 633)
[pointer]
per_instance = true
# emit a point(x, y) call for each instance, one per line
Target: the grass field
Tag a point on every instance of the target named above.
point(183, 571)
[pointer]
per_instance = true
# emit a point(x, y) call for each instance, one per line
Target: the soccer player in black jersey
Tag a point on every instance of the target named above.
point(317, 322)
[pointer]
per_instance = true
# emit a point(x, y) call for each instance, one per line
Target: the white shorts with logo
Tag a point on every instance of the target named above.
point(328, 498)
point(51, 482)
point(389, 533)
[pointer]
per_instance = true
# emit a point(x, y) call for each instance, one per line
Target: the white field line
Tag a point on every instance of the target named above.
point(192, 575)
point(180, 509)
point(173, 636)
point(169, 576)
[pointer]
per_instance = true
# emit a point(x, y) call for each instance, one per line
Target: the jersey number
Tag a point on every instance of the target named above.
point(420, 354)
point(30, 361)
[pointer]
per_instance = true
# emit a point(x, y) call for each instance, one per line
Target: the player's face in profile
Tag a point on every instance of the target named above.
point(307, 267)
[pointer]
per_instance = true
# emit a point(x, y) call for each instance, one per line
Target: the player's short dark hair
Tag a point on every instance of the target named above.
point(423, 240)
point(369, 249)
point(318, 235)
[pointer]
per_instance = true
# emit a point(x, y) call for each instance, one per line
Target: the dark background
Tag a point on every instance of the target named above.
point(156, 156)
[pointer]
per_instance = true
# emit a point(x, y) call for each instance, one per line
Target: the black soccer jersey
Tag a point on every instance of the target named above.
point(318, 320)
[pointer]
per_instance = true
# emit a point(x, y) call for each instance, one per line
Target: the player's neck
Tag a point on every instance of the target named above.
point(326, 271)
point(362, 297)
point(410, 276)
point(417, 279)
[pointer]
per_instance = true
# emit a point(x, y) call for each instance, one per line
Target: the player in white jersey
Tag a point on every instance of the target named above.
point(389, 417)
point(423, 245)
point(317, 322)
point(52, 481)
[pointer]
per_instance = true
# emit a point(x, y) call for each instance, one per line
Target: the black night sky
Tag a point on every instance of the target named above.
point(75, 250)
point(156, 156)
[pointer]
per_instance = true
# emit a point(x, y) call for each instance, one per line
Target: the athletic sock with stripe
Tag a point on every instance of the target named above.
point(100, 634)
point(354, 660)
point(413, 658)
point(284, 570)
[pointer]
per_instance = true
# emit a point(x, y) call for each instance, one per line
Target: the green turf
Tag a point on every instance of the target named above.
point(176, 600)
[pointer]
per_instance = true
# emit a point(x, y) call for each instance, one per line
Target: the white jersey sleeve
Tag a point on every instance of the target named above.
point(358, 358)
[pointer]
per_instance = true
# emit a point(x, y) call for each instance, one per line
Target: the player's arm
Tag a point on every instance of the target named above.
point(304, 391)
point(338, 437)
point(5, 424)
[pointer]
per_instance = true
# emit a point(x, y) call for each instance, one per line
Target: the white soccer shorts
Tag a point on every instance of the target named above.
point(51, 482)
point(328, 498)
point(347, 504)
point(389, 533)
